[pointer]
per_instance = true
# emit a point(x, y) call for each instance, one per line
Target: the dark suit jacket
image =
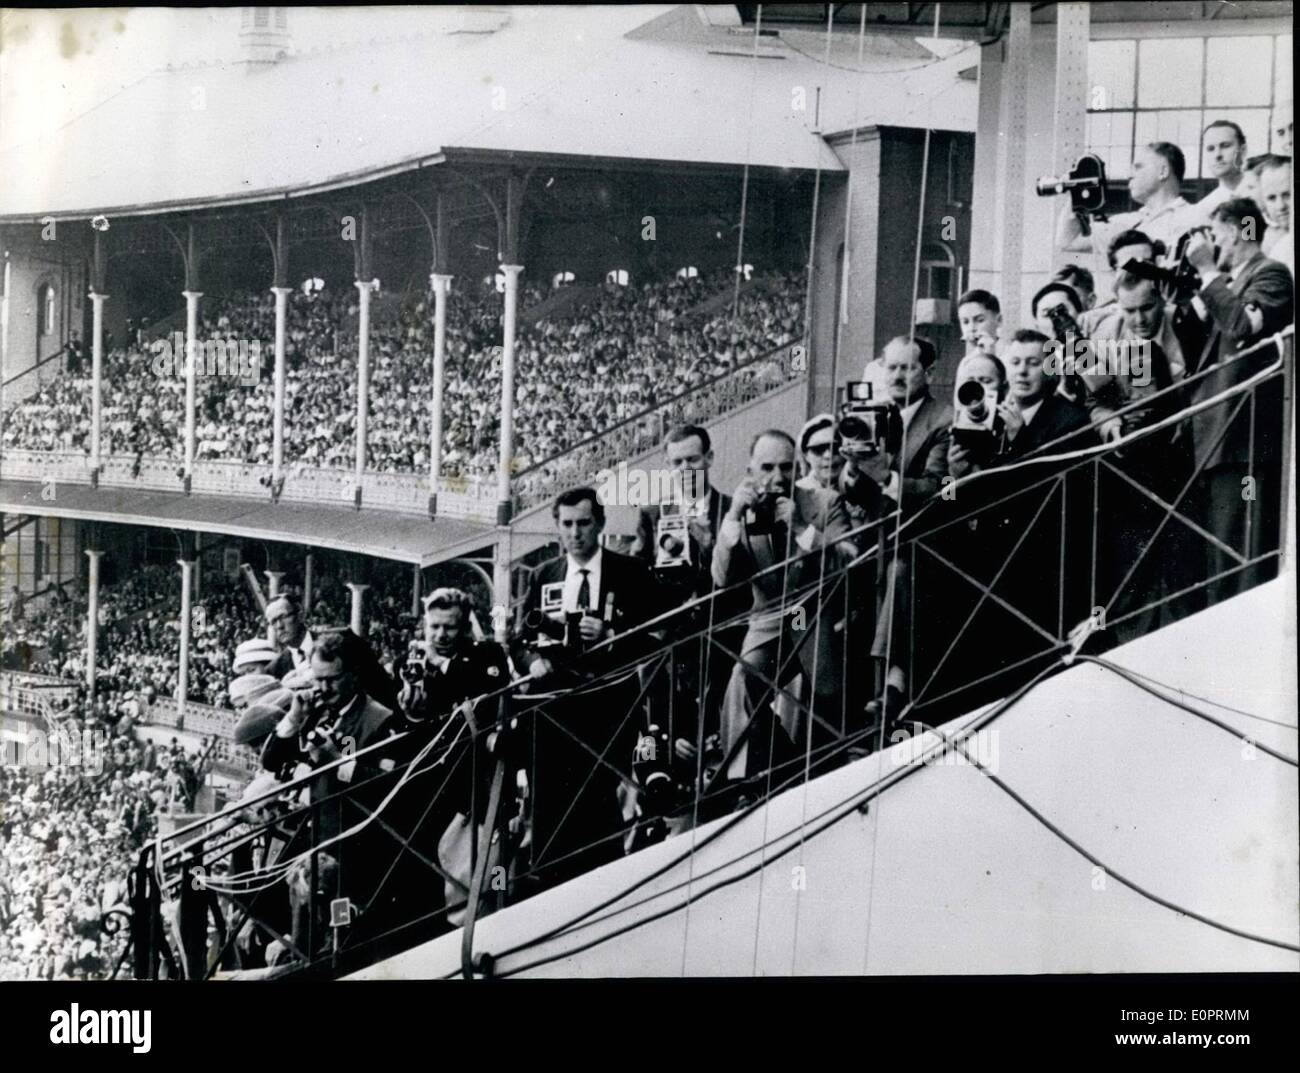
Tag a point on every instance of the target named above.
point(1056, 417)
point(923, 463)
point(700, 576)
point(636, 595)
point(1267, 284)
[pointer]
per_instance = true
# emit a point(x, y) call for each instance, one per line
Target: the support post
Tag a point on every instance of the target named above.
point(363, 385)
point(183, 677)
point(415, 589)
point(191, 370)
point(358, 590)
point(505, 455)
point(277, 426)
point(306, 584)
point(92, 617)
point(441, 286)
point(96, 385)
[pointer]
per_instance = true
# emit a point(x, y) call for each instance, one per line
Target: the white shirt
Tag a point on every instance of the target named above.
point(573, 582)
point(1166, 224)
point(302, 654)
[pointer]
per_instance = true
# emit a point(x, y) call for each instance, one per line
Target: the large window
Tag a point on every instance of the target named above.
point(1168, 89)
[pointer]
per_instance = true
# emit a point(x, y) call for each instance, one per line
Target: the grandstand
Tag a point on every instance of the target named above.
point(362, 355)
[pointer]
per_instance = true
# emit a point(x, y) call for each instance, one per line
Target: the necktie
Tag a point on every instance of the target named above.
point(584, 591)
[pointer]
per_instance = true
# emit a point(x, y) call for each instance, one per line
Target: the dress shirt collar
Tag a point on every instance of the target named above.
point(1030, 412)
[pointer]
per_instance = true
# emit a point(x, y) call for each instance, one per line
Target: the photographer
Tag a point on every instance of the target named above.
point(329, 715)
point(580, 743)
point(1056, 309)
point(1246, 297)
point(452, 669)
point(979, 316)
point(1155, 184)
point(772, 521)
point(1126, 246)
point(677, 705)
point(452, 665)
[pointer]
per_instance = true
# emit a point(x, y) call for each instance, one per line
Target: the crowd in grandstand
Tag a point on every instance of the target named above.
point(69, 834)
point(578, 373)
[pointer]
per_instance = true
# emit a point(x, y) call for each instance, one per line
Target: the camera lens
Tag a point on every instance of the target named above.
point(970, 392)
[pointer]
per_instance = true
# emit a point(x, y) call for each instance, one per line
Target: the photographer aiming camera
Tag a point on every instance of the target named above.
point(1155, 183)
point(453, 662)
point(330, 714)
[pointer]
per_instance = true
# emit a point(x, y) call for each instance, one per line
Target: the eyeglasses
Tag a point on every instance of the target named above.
point(819, 449)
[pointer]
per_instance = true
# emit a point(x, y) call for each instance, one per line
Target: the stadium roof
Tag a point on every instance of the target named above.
point(408, 538)
point(676, 85)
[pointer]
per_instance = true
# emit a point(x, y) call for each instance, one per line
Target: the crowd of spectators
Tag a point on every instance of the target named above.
point(69, 834)
point(579, 372)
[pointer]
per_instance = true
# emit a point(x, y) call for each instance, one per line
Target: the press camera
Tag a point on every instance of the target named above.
point(866, 426)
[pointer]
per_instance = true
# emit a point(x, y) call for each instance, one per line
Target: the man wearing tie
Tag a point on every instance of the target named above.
point(284, 615)
point(1246, 297)
point(580, 748)
point(675, 699)
point(922, 463)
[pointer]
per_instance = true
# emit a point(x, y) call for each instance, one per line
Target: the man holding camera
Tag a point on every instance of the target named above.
point(581, 744)
point(1246, 297)
point(1155, 183)
point(683, 571)
point(774, 522)
point(450, 672)
point(330, 715)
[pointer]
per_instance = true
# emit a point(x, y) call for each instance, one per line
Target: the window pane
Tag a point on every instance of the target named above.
point(1282, 89)
point(1110, 74)
point(1237, 70)
point(1253, 123)
point(1169, 72)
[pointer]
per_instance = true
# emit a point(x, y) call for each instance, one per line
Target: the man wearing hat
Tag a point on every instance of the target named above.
point(254, 657)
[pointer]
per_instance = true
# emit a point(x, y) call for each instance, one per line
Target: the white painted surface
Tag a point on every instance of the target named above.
point(947, 874)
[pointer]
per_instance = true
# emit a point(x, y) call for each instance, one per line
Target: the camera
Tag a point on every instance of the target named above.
point(546, 631)
point(1179, 283)
point(1064, 326)
point(975, 416)
point(413, 669)
point(652, 766)
point(866, 426)
point(672, 542)
point(1086, 185)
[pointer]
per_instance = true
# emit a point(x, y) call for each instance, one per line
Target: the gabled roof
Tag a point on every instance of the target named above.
point(659, 83)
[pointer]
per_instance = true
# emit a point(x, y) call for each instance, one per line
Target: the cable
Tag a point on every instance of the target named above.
point(1194, 696)
point(954, 743)
point(1123, 672)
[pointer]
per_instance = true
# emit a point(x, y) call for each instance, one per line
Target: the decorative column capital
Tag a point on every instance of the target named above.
point(192, 294)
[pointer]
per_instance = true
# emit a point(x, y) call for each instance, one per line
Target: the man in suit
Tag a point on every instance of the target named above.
point(675, 699)
point(1014, 543)
point(455, 668)
point(296, 643)
point(580, 747)
point(772, 521)
point(922, 464)
point(1246, 297)
point(331, 719)
point(1135, 355)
